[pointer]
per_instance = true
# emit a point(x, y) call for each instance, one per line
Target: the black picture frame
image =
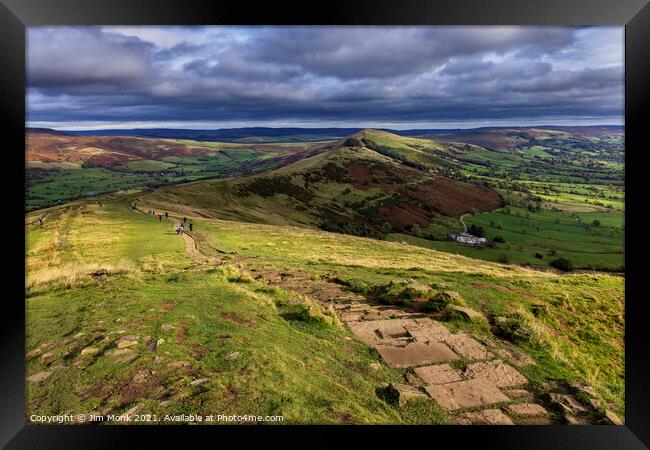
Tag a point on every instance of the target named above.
point(15, 15)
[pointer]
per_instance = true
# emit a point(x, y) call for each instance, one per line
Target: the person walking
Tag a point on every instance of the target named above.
point(166, 215)
point(159, 217)
point(184, 219)
point(191, 226)
point(181, 229)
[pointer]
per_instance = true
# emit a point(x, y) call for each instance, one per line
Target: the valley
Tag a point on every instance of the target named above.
point(319, 282)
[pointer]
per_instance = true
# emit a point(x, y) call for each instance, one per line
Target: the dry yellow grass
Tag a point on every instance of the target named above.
point(72, 274)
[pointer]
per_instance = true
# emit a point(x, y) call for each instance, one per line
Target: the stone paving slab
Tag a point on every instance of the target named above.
point(438, 374)
point(485, 417)
point(545, 420)
point(466, 394)
point(428, 330)
point(519, 394)
point(375, 332)
point(351, 317)
point(415, 354)
point(497, 372)
point(372, 316)
point(467, 347)
point(526, 410)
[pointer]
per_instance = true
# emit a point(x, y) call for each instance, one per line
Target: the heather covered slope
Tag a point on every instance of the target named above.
point(350, 188)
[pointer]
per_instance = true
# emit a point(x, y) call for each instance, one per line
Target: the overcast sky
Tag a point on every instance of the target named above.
point(389, 77)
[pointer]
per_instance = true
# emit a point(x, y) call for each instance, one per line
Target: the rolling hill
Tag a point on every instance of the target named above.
point(62, 167)
point(260, 309)
point(555, 182)
point(352, 186)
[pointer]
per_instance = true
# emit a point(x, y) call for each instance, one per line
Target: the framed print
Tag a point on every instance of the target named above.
point(361, 219)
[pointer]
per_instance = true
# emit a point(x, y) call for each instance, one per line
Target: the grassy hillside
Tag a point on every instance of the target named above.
point(211, 336)
point(350, 189)
point(378, 184)
point(142, 282)
point(556, 183)
point(563, 191)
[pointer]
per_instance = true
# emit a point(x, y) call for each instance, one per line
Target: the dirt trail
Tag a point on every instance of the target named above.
point(191, 246)
point(488, 389)
point(463, 222)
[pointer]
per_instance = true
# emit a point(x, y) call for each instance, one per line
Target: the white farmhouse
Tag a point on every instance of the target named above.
point(468, 239)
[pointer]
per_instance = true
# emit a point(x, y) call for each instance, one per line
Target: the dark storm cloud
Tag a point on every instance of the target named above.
point(321, 74)
point(393, 51)
point(69, 58)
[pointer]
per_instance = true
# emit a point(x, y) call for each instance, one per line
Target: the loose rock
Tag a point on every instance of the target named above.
point(466, 313)
point(89, 351)
point(33, 353)
point(232, 355)
point(568, 403)
point(126, 341)
point(414, 380)
point(404, 393)
point(199, 381)
point(39, 377)
point(518, 359)
point(613, 418)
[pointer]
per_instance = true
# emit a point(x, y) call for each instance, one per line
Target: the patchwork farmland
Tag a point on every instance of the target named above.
point(319, 282)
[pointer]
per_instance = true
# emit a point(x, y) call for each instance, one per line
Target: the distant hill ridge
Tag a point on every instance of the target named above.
point(261, 134)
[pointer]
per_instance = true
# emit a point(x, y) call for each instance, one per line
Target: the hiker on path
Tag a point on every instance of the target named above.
point(184, 219)
point(181, 229)
point(41, 220)
point(159, 217)
point(166, 215)
point(191, 226)
point(177, 229)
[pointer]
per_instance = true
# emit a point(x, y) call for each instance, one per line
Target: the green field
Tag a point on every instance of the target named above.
point(573, 186)
point(53, 183)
